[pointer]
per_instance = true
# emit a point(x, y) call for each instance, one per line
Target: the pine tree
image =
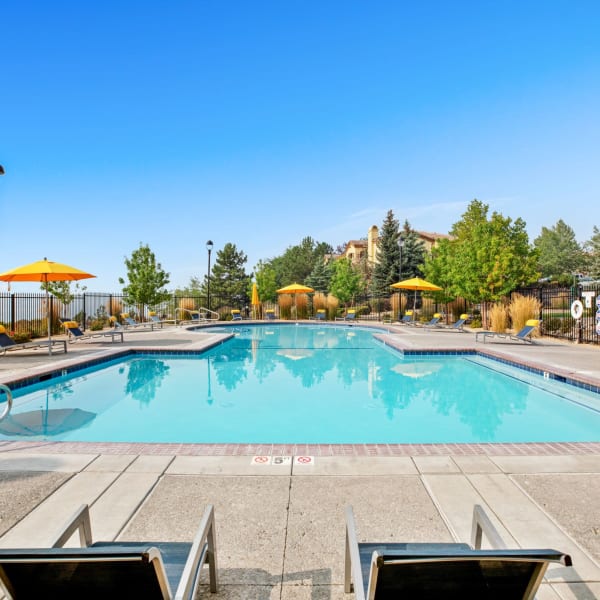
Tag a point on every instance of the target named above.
point(413, 253)
point(592, 247)
point(228, 277)
point(560, 253)
point(387, 268)
point(320, 277)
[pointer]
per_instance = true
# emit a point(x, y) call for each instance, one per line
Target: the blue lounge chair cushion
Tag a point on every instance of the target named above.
point(524, 335)
point(7, 343)
point(73, 328)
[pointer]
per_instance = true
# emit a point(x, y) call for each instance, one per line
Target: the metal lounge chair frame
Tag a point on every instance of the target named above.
point(524, 335)
point(236, 314)
point(450, 571)
point(110, 569)
point(407, 318)
point(129, 322)
point(433, 322)
point(458, 325)
point(349, 316)
point(7, 344)
point(76, 335)
point(320, 315)
point(270, 314)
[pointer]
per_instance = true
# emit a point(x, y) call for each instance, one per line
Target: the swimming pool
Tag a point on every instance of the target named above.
point(303, 384)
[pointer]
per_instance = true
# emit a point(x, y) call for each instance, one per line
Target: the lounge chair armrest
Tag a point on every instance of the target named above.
point(353, 580)
point(203, 550)
point(483, 526)
point(80, 521)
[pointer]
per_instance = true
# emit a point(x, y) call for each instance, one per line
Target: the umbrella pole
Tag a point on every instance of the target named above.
point(48, 316)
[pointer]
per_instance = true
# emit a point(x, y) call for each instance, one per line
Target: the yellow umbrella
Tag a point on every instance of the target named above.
point(45, 271)
point(255, 300)
point(416, 283)
point(295, 288)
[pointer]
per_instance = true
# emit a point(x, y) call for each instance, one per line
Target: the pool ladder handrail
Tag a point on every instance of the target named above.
point(9, 401)
point(205, 315)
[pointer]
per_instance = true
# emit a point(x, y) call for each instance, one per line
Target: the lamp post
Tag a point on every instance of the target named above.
point(400, 244)
point(209, 247)
point(1, 170)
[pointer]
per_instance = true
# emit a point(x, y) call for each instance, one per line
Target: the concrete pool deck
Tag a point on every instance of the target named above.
point(280, 527)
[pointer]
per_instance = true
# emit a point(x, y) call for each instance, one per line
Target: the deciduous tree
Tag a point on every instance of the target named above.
point(346, 281)
point(491, 257)
point(146, 278)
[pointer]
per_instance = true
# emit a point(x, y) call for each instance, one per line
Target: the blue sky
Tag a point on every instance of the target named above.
point(260, 123)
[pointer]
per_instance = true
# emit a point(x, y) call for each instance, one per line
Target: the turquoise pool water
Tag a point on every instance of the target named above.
point(303, 384)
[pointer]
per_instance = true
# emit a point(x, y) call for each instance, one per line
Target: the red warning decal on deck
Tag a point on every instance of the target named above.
point(304, 460)
point(261, 460)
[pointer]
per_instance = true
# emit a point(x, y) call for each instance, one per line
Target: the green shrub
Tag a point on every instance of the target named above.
point(363, 310)
point(21, 337)
point(97, 325)
point(475, 323)
point(552, 324)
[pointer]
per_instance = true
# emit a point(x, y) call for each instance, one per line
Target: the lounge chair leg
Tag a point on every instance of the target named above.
point(483, 526)
point(212, 557)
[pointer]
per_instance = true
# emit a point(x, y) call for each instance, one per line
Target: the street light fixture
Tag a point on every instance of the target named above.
point(209, 247)
point(1, 170)
point(400, 245)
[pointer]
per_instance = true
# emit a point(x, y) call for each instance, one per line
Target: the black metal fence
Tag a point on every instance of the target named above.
point(26, 313)
point(557, 320)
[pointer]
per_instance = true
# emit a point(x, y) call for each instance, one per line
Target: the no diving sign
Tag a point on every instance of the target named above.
point(282, 460)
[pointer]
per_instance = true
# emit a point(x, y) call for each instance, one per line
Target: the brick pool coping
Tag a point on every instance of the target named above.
point(341, 450)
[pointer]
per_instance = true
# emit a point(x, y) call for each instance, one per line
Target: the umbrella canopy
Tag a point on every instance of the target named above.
point(295, 288)
point(416, 283)
point(254, 301)
point(45, 271)
point(35, 423)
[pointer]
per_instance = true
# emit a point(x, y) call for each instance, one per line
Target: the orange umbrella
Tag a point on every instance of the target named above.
point(45, 271)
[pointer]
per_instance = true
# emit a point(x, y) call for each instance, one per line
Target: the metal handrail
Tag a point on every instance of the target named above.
point(9, 401)
point(204, 315)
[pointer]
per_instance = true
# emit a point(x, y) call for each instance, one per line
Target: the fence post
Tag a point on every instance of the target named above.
point(13, 311)
point(84, 313)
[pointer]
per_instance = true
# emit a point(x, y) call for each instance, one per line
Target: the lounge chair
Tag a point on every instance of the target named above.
point(458, 325)
point(110, 569)
point(448, 571)
point(75, 333)
point(7, 343)
point(270, 314)
point(407, 319)
point(156, 320)
point(236, 315)
point(129, 322)
point(320, 315)
point(521, 336)
point(349, 316)
point(433, 322)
